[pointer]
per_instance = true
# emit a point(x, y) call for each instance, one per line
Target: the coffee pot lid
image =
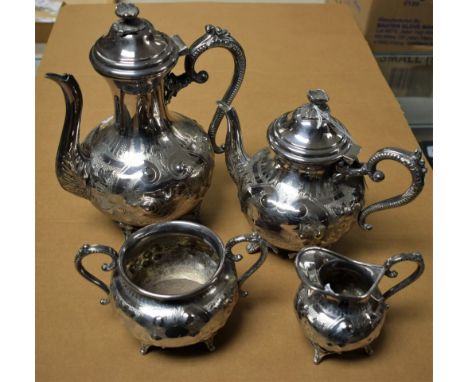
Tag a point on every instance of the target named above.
point(133, 48)
point(310, 135)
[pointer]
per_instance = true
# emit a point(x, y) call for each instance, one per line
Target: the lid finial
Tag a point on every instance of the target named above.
point(133, 49)
point(126, 10)
point(309, 135)
point(318, 96)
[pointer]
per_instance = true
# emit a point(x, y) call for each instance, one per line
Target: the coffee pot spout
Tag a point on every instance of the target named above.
point(71, 165)
point(236, 157)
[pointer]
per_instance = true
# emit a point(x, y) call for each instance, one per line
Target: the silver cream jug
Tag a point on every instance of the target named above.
point(146, 164)
point(339, 304)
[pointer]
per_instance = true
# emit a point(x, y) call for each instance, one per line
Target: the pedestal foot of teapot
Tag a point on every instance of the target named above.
point(210, 344)
point(144, 349)
point(127, 229)
point(368, 350)
point(193, 215)
point(292, 255)
point(320, 354)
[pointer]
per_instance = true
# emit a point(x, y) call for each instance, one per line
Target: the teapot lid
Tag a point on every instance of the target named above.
point(310, 135)
point(133, 48)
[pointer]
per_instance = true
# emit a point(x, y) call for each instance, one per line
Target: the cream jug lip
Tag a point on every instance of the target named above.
point(177, 226)
point(375, 272)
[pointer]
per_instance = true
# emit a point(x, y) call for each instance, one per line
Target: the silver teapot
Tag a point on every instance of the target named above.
point(339, 304)
point(145, 164)
point(174, 284)
point(307, 187)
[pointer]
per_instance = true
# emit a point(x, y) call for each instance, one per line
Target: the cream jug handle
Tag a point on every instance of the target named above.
point(412, 161)
point(415, 257)
point(252, 238)
point(214, 37)
point(88, 249)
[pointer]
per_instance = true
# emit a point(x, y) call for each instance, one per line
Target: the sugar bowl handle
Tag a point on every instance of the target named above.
point(415, 257)
point(412, 161)
point(255, 239)
point(89, 249)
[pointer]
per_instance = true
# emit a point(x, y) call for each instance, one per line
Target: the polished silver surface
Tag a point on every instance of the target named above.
point(339, 304)
point(173, 284)
point(145, 164)
point(307, 188)
point(133, 48)
point(310, 135)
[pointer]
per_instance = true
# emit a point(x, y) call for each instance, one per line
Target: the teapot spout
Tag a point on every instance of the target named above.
point(236, 157)
point(71, 165)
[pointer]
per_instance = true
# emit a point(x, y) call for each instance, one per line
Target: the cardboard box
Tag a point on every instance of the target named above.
point(42, 31)
point(394, 25)
point(46, 14)
point(409, 75)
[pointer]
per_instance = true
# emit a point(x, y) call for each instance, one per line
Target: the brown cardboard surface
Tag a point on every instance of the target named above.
point(289, 48)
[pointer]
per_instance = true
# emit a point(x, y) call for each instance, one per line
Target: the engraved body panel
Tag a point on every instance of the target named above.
point(180, 323)
point(139, 180)
point(338, 328)
point(292, 209)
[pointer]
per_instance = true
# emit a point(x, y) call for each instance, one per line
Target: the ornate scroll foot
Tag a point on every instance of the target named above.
point(127, 229)
point(210, 344)
point(292, 255)
point(368, 349)
point(320, 354)
point(144, 349)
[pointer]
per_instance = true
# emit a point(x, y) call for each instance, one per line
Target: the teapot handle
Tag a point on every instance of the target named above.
point(252, 238)
point(416, 257)
point(88, 249)
point(214, 37)
point(412, 161)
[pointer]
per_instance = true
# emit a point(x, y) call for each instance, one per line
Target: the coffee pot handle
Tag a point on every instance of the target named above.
point(413, 161)
point(214, 37)
point(88, 249)
point(415, 257)
point(253, 238)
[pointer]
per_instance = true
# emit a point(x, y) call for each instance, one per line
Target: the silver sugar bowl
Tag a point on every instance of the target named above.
point(339, 304)
point(307, 187)
point(173, 284)
point(145, 164)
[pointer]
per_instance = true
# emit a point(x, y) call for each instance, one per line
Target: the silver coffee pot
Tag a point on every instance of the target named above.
point(145, 164)
point(307, 187)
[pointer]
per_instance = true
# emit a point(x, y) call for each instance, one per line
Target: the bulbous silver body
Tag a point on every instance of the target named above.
point(150, 176)
point(173, 284)
point(186, 322)
point(292, 209)
point(307, 187)
point(335, 328)
point(146, 164)
point(339, 305)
